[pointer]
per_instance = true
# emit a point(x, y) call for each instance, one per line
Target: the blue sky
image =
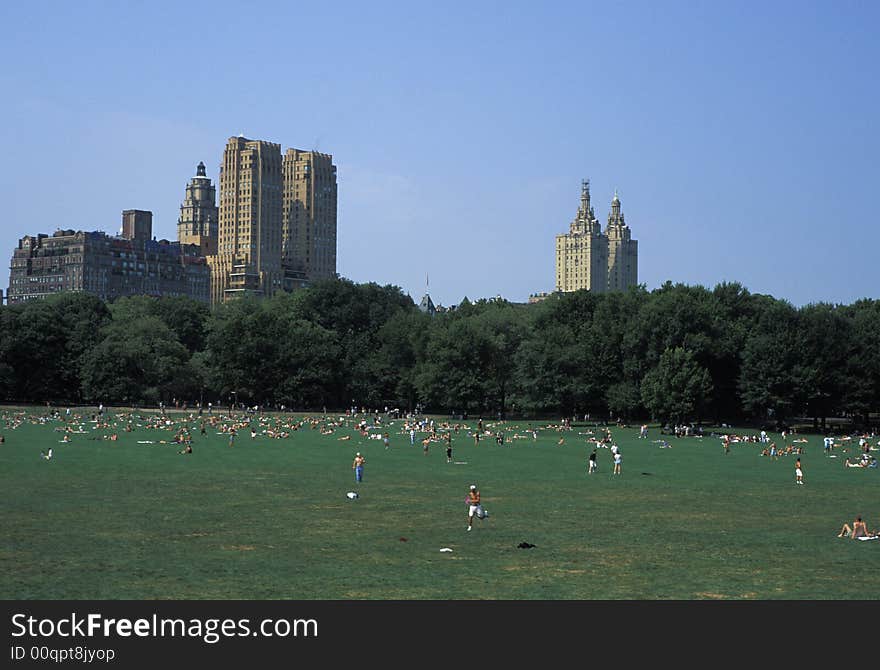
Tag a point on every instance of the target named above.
point(742, 137)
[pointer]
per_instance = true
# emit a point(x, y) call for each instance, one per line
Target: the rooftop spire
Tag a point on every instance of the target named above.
point(585, 195)
point(615, 216)
point(584, 221)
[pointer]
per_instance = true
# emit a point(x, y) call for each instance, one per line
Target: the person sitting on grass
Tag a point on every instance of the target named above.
point(858, 529)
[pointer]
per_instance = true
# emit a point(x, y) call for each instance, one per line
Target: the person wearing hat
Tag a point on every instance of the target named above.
point(474, 506)
point(358, 467)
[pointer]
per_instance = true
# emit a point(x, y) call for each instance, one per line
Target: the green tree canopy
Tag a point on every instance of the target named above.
point(677, 388)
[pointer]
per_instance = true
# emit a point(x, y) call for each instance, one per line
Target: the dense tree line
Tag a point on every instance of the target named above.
point(676, 353)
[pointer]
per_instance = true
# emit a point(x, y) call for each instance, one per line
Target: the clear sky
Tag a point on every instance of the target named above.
point(742, 137)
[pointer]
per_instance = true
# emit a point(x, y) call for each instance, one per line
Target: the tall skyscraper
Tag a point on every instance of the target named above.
point(199, 214)
point(588, 259)
point(248, 258)
point(277, 220)
point(582, 254)
point(309, 213)
point(623, 251)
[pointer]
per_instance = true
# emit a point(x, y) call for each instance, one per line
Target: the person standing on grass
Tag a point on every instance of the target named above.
point(358, 467)
point(449, 447)
point(593, 466)
point(474, 505)
point(798, 472)
point(617, 460)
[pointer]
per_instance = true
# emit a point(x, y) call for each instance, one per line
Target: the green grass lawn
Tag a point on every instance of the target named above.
point(269, 519)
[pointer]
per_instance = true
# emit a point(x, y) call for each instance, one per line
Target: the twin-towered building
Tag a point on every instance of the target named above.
point(274, 229)
point(588, 259)
point(277, 220)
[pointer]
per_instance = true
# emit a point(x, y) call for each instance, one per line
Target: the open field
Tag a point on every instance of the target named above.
point(269, 518)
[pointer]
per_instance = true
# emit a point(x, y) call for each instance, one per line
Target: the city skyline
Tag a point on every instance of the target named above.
point(740, 139)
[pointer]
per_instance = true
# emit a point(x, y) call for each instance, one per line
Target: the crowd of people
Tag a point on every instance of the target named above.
point(182, 427)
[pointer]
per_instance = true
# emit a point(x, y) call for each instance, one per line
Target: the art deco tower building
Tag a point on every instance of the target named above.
point(623, 252)
point(248, 258)
point(309, 215)
point(199, 214)
point(582, 254)
point(588, 259)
